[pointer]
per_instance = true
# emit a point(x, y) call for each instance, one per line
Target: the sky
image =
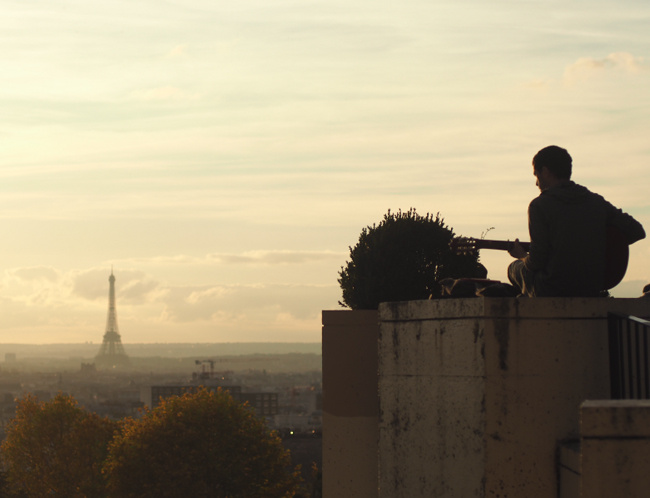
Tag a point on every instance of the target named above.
point(221, 157)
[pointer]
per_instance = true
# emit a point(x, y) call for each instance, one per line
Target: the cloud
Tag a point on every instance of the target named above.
point(74, 308)
point(616, 63)
point(620, 73)
point(80, 294)
point(163, 93)
point(132, 287)
point(215, 303)
point(178, 51)
point(538, 85)
point(275, 257)
point(33, 287)
point(270, 257)
point(178, 259)
point(36, 273)
point(140, 291)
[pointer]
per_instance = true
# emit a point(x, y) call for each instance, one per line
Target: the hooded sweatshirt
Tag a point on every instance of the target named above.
point(568, 228)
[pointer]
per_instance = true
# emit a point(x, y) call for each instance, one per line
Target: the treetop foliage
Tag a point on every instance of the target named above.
point(202, 444)
point(403, 258)
point(56, 448)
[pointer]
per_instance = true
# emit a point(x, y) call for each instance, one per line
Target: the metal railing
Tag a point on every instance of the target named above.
point(628, 356)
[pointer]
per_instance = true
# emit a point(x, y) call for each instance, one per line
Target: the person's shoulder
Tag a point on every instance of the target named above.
point(591, 195)
point(539, 204)
point(585, 191)
point(570, 192)
point(542, 199)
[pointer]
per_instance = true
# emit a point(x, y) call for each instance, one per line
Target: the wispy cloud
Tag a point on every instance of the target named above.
point(36, 273)
point(178, 51)
point(258, 257)
point(210, 303)
point(163, 93)
point(616, 63)
point(134, 287)
point(43, 299)
point(588, 69)
point(285, 257)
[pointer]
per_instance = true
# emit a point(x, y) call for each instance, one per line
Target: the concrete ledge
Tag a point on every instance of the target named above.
point(569, 471)
point(476, 394)
point(548, 308)
point(629, 418)
point(348, 318)
point(615, 448)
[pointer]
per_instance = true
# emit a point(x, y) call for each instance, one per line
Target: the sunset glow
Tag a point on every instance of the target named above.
point(223, 156)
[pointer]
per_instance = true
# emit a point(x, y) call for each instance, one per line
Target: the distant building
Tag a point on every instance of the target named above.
point(264, 404)
point(88, 368)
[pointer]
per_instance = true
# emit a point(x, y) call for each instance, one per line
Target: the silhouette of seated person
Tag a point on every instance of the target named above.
point(568, 228)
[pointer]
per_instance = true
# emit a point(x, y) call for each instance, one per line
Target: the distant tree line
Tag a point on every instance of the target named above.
point(202, 444)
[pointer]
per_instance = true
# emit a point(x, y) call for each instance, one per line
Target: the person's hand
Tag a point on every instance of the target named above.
point(516, 251)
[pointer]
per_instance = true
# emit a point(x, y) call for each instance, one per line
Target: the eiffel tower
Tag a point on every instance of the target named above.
point(111, 354)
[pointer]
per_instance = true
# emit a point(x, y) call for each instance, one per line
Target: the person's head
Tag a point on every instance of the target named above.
point(556, 159)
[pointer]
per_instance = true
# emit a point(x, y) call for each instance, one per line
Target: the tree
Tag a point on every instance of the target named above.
point(202, 444)
point(56, 448)
point(401, 259)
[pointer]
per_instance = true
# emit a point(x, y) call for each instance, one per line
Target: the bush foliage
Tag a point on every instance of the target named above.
point(401, 259)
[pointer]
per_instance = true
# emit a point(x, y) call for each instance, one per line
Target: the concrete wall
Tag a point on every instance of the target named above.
point(476, 394)
point(569, 469)
point(350, 404)
point(615, 448)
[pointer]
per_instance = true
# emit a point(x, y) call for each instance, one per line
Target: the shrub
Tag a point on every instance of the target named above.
point(401, 259)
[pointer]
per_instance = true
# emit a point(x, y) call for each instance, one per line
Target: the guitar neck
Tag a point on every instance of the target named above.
point(501, 245)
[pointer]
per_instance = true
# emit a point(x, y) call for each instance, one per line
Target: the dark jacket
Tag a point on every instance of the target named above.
point(568, 230)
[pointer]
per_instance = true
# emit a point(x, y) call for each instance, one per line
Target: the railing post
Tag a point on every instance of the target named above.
point(628, 357)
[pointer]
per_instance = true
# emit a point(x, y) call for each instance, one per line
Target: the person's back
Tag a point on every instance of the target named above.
point(568, 227)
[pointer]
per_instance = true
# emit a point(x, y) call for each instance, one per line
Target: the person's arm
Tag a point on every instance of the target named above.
point(540, 239)
point(632, 229)
point(516, 251)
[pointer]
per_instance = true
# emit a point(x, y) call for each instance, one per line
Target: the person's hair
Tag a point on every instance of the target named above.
point(556, 159)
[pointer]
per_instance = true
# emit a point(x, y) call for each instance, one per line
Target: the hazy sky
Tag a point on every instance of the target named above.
point(223, 156)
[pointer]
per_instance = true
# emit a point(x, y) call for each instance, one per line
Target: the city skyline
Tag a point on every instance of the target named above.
point(222, 158)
